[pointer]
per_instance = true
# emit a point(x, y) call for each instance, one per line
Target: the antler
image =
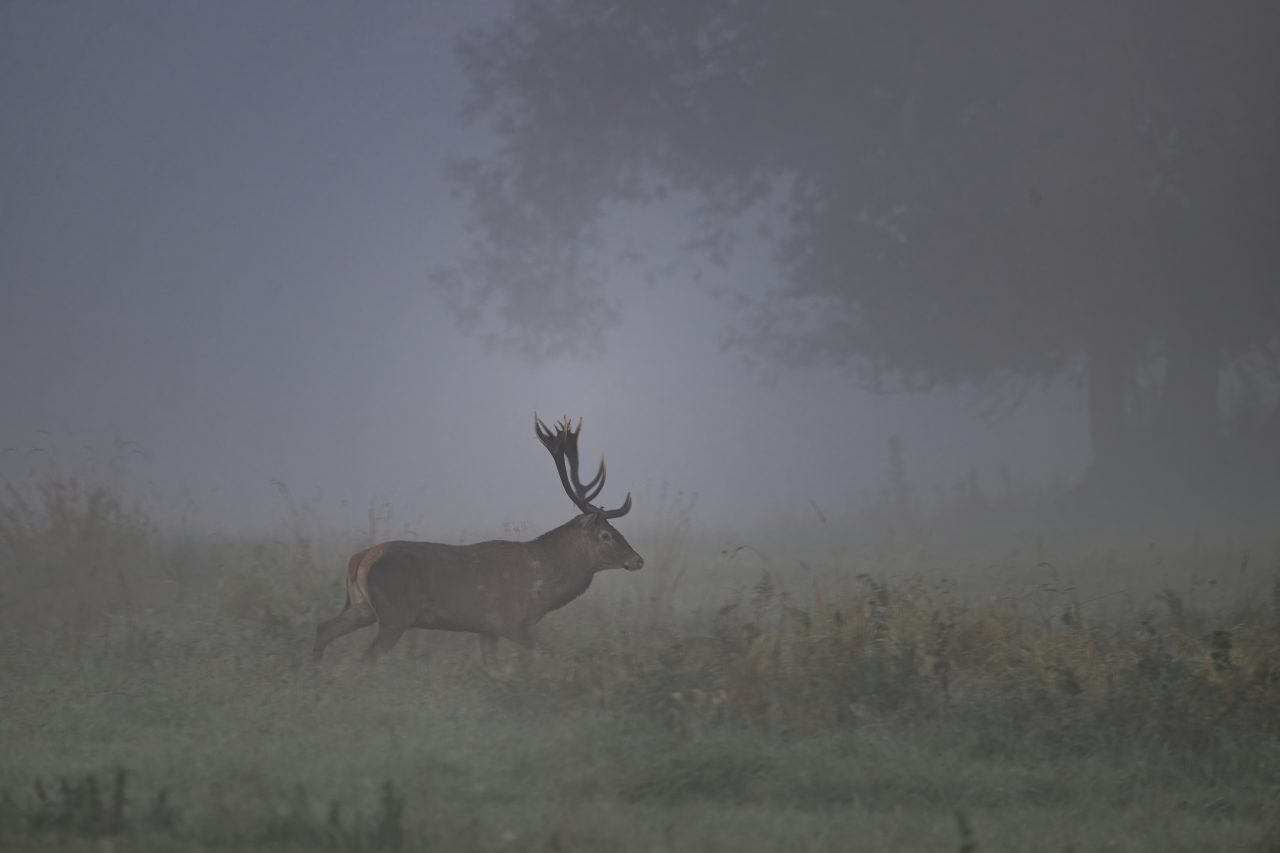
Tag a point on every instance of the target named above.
point(563, 444)
point(590, 490)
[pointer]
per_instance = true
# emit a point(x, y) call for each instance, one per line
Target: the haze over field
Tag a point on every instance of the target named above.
point(938, 345)
point(218, 238)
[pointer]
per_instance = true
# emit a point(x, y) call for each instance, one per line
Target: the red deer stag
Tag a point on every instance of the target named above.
point(494, 589)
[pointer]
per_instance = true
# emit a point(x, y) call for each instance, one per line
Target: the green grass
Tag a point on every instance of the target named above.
point(161, 699)
point(772, 729)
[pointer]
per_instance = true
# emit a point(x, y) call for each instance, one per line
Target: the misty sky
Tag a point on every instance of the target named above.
point(218, 224)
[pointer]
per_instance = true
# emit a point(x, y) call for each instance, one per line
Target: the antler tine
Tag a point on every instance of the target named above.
point(563, 446)
point(555, 444)
point(596, 486)
point(620, 511)
point(587, 491)
point(553, 441)
point(571, 449)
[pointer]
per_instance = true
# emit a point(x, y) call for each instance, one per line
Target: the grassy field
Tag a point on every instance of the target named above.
point(155, 694)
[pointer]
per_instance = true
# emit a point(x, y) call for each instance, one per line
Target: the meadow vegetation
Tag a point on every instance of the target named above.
point(904, 690)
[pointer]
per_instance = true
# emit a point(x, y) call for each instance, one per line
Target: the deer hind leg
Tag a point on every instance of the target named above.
point(390, 598)
point(350, 619)
point(389, 634)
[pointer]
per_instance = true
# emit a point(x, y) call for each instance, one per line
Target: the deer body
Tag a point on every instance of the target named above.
point(494, 589)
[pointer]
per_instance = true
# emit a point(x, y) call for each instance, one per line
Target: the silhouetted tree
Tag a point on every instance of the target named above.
point(1004, 191)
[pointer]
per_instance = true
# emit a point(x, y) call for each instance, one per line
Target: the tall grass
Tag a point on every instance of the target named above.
point(163, 698)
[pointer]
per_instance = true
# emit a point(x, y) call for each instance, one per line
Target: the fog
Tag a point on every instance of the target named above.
point(937, 346)
point(221, 242)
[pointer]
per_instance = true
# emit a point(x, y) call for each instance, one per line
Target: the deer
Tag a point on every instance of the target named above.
point(496, 589)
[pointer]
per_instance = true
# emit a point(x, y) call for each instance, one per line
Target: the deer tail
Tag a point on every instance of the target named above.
point(358, 577)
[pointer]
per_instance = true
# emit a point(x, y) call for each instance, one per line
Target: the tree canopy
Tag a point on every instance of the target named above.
point(952, 192)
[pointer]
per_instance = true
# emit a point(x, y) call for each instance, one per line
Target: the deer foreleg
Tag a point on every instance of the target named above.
point(523, 635)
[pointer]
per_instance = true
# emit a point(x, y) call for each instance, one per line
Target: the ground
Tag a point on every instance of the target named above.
point(896, 717)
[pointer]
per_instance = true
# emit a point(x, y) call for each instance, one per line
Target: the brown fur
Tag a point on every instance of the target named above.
point(494, 589)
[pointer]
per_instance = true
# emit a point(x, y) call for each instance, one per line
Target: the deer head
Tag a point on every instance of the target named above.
point(604, 544)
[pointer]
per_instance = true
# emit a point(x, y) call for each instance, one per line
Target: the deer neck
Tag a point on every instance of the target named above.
point(564, 563)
